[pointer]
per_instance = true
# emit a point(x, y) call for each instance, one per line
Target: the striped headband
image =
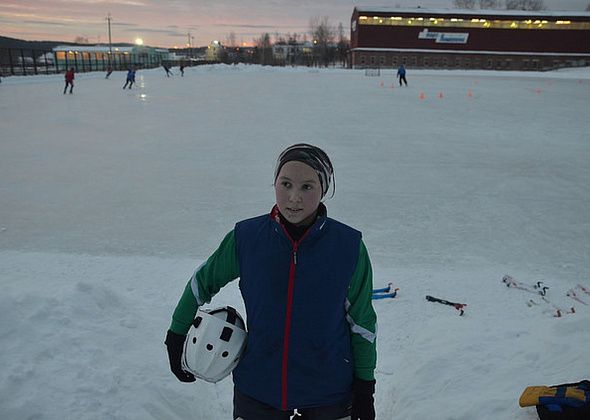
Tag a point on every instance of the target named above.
point(312, 156)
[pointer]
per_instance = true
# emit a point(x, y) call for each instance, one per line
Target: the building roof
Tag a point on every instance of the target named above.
point(473, 12)
point(91, 48)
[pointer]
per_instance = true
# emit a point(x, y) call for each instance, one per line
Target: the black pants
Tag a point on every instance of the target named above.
point(247, 408)
point(71, 84)
point(130, 83)
point(403, 77)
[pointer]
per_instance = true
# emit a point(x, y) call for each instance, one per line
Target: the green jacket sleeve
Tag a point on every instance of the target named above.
point(221, 268)
point(362, 318)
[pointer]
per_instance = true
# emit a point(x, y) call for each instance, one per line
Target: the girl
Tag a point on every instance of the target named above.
point(306, 282)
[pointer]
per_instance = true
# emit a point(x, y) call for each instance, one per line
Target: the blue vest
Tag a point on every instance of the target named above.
point(299, 351)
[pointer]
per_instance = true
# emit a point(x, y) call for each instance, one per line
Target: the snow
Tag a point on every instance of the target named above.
point(111, 198)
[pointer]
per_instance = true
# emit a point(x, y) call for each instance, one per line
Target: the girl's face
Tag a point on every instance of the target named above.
point(298, 192)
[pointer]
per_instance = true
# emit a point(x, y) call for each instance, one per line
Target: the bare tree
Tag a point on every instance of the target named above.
point(464, 4)
point(525, 5)
point(343, 44)
point(322, 36)
point(81, 40)
point(230, 41)
point(264, 49)
point(489, 4)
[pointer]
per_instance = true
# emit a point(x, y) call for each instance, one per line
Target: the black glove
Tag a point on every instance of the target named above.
point(175, 344)
point(363, 403)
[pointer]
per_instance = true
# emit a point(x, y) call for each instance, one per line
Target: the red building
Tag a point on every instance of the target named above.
point(478, 39)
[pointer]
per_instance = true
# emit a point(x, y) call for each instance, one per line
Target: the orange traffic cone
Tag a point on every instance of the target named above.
point(469, 93)
point(422, 96)
point(440, 95)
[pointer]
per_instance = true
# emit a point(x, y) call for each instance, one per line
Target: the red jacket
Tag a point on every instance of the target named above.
point(69, 75)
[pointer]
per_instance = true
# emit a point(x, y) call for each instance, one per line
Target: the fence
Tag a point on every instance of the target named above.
point(20, 61)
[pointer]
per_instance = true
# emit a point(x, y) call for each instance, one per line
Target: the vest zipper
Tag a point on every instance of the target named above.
point(288, 317)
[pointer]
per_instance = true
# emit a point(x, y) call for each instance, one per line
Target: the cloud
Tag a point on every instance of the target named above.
point(168, 32)
point(123, 24)
point(46, 23)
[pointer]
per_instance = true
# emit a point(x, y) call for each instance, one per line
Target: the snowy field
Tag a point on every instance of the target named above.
point(111, 198)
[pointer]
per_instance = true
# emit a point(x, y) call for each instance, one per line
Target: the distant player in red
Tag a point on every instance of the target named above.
point(69, 80)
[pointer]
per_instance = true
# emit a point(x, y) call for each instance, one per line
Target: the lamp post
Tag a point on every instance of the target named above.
point(109, 18)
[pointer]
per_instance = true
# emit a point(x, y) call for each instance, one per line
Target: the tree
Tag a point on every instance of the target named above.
point(525, 5)
point(322, 35)
point(464, 4)
point(343, 44)
point(230, 41)
point(81, 40)
point(264, 50)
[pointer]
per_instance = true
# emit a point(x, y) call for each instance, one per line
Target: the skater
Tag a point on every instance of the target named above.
point(182, 70)
point(130, 77)
point(401, 74)
point(109, 72)
point(168, 72)
point(306, 282)
point(69, 77)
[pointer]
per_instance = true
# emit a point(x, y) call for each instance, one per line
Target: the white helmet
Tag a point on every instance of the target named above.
point(214, 343)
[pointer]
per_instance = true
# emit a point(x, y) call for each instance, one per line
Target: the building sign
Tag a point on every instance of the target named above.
point(444, 37)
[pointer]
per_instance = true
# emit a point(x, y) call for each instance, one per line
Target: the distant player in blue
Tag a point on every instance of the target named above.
point(401, 75)
point(130, 77)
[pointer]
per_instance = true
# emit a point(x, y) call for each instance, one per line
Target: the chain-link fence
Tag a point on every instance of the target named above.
point(21, 61)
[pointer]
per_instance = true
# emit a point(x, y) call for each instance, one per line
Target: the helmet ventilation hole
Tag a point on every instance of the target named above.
point(209, 347)
point(224, 354)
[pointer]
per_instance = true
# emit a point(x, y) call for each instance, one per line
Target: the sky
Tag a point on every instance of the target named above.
point(168, 23)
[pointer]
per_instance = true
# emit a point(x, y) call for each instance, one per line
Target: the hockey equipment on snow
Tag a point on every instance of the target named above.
point(458, 306)
point(174, 345)
point(559, 402)
point(538, 288)
point(572, 294)
point(385, 292)
point(363, 402)
point(214, 343)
